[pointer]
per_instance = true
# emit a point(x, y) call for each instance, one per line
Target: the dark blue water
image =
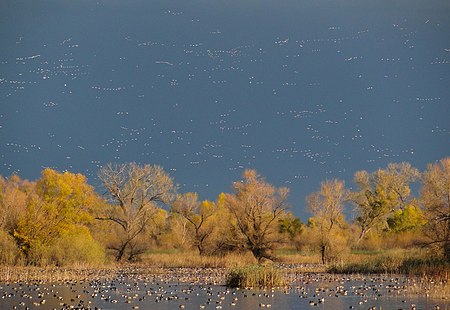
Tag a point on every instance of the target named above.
point(299, 90)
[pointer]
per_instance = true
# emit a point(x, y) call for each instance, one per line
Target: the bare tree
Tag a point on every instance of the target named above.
point(256, 206)
point(198, 216)
point(435, 197)
point(135, 192)
point(327, 206)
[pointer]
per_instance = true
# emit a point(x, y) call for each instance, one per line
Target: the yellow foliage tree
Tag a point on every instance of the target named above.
point(381, 193)
point(199, 216)
point(58, 203)
point(327, 206)
point(255, 207)
point(435, 197)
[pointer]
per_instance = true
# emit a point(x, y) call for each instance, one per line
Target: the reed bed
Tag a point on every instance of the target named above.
point(54, 274)
point(434, 287)
point(394, 262)
point(256, 276)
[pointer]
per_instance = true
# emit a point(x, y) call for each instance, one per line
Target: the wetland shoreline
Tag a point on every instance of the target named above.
point(149, 287)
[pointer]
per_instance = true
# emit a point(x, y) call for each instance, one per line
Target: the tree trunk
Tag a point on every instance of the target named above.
point(361, 235)
point(322, 251)
point(260, 254)
point(447, 242)
point(201, 250)
point(121, 252)
point(447, 250)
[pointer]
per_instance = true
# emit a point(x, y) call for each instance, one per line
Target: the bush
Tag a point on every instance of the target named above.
point(77, 247)
point(256, 276)
point(9, 251)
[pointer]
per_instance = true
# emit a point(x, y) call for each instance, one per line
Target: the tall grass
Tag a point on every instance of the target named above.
point(194, 260)
point(256, 276)
point(410, 262)
point(295, 257)
point(55, 274)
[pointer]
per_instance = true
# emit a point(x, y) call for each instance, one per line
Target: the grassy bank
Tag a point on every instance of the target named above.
point(410, 262)
point(179, 259)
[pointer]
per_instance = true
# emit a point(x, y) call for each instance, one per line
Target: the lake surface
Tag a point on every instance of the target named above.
point(308, 291)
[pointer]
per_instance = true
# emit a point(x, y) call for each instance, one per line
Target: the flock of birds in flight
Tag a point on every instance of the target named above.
point(315, 132)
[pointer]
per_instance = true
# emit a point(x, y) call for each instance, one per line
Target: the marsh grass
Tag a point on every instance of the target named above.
point(55, 274)
point(294, 257)
point(435, 287)
point(194, 260)
point(377, 265)
point(428, 275)
point(256, 276)
point(408, 262)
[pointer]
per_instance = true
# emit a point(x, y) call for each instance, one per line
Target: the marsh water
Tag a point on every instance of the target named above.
point(307, 291)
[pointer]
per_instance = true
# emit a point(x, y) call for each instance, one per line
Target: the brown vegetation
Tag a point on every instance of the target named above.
point(59, 220)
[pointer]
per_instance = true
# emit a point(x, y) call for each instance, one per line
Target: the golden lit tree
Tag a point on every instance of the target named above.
point(435, 197)
point(327, 207)
point(410, 218)
point(381, 193)
point(13, 198)
point(59, 204)
point(255, 207)
point(199, 216)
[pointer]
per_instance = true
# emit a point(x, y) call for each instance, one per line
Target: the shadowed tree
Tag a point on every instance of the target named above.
point(255, 207)
point(435, 197)
point(381, 193)
point(292, 227)
point(327, 206)
point(134, 192)
point(199, 216)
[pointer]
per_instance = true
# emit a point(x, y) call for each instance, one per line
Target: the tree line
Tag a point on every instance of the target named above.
point(60, 219)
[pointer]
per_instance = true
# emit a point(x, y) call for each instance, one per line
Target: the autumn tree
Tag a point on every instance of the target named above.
point(381, 193)
point(158, 226)
point(410, 218)
point(255, 207)
point(435, 197)
point(13, 197)
point(199, 216)
point(135, 193)
point(178, 233)
point(58, 205)
point(327, 207)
